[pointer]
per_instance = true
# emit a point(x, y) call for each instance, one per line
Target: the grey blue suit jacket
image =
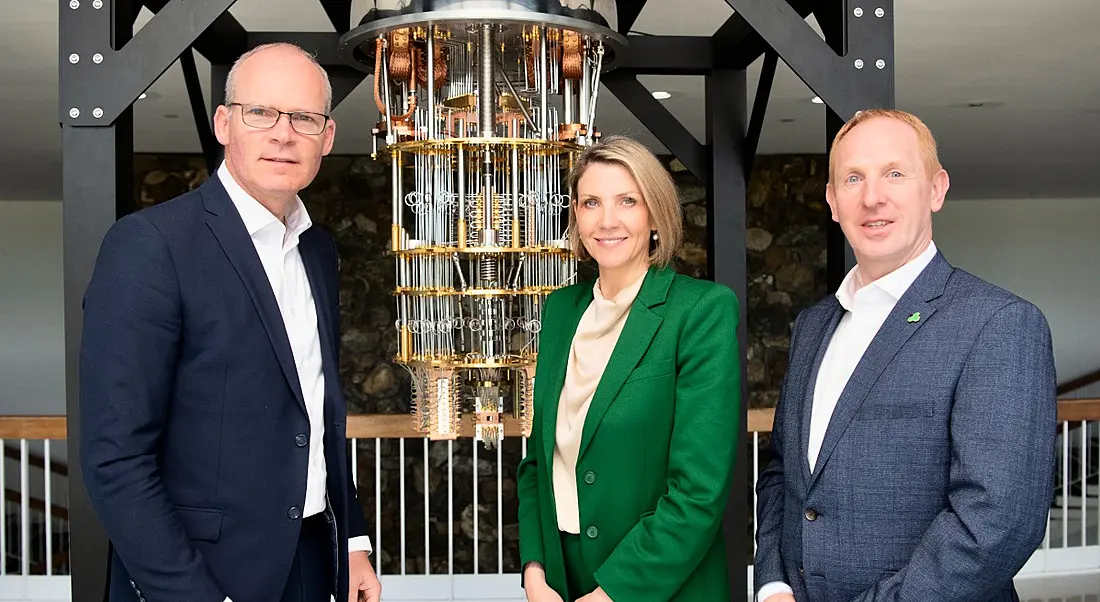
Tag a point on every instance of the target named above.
point(936, 472)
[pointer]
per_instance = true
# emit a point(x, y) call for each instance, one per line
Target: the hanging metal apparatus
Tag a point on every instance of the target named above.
point(484, 107)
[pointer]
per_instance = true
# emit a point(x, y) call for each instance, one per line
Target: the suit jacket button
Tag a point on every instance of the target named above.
point(811, 514)
point(592, 532)
point(301, 440)
point(589, 477)
point(801, 572)
point(294, 513)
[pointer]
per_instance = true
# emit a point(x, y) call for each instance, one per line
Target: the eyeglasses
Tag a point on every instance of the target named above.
point(265, 118)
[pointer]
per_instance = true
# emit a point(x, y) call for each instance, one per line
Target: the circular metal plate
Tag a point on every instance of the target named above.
point(357, 45)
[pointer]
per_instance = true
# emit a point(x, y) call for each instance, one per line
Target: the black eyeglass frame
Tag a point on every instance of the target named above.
point(289, 114)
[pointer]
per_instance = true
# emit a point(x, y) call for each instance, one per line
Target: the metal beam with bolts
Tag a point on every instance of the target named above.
point(102, 72)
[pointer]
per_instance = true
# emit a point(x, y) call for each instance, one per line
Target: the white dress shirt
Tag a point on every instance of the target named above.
point(866, 308)
point(277, 245)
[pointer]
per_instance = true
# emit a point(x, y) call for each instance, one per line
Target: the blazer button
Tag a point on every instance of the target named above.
point(294, 513)
point(811, 514)
point(301, 440)
point(589, 477)
point(592, 532)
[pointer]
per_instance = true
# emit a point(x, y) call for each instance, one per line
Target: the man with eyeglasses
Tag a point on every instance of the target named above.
point(213, 442)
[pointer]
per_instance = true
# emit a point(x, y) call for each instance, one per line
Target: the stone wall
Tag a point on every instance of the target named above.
point(350, 198)
point(786, 217)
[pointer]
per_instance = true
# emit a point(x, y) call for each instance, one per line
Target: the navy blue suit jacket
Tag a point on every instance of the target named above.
point(192, 415)
point(936, 472)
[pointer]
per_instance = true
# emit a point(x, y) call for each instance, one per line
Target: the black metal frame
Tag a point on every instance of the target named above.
point(109, 71)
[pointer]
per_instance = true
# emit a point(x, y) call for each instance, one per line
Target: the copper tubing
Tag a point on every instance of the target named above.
point(377, 93)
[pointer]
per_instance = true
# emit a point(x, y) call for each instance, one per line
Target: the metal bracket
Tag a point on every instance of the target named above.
point(628, 11)
point(667, 55)
point(657, 119)
point(339, 14)
point(740, 45)
point(222, 42)
point(203, 123)
point(759, 108)
point(99, 82)
point(861, 78)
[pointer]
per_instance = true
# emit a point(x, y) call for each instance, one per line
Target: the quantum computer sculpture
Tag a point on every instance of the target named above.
point(484, 107)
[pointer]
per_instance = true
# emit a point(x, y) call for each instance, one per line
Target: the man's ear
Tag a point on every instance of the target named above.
point(940, 183)
point(330, 137)
point(221, 124)
point(830, 198)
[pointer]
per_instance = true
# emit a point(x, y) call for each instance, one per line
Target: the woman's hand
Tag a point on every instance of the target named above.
point(597, 596)
point(541, 593)
point(535, 587)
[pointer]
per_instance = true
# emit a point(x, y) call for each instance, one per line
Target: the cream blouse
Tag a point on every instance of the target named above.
point(595, 339)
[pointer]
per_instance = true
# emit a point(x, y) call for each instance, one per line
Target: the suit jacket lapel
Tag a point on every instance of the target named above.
point(893, 334)
point(315, 273)
point(822, 331)
point(641, 325)
point(309, 246)
point(228, 228)
point(553, 360)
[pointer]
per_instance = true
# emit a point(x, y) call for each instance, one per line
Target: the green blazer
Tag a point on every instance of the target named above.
point(657, 448)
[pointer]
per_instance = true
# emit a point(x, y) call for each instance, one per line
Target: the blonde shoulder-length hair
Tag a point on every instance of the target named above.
point(654, 182)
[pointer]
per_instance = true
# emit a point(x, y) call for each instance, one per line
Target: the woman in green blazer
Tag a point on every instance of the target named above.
point(628, 466)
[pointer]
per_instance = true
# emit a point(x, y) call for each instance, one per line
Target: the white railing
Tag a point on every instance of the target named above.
point(34, 532)
point(1072, 542)
point(404, 553)
point(429, 543)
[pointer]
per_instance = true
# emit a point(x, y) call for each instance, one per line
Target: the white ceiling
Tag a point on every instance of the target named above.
point(1036, 61)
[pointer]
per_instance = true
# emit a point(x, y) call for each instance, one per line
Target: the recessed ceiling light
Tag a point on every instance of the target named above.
point(788, 120)
point(817, 100)
point(171, 116)
point(143, 96)
point(661, 95)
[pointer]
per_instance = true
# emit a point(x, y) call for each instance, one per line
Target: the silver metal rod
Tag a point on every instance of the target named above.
point(554, 51)
point(512, 89)
point(544, 76)
point(515, 193)
point(488, 235)
point(431, 82)
point(486, 89)
point(595, 88)
point(462, 187)
point(467, 69)
point(386, 94)
point(568, 101)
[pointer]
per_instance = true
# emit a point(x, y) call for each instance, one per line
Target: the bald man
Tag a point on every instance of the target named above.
point(213, 439)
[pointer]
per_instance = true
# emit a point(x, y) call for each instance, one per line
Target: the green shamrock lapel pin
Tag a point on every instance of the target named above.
point(913, 318)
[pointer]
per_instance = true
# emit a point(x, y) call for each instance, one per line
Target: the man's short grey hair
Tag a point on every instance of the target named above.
point(231, 80)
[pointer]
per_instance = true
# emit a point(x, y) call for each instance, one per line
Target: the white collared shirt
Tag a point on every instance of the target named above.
point(867, 307)
point(277, 246)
